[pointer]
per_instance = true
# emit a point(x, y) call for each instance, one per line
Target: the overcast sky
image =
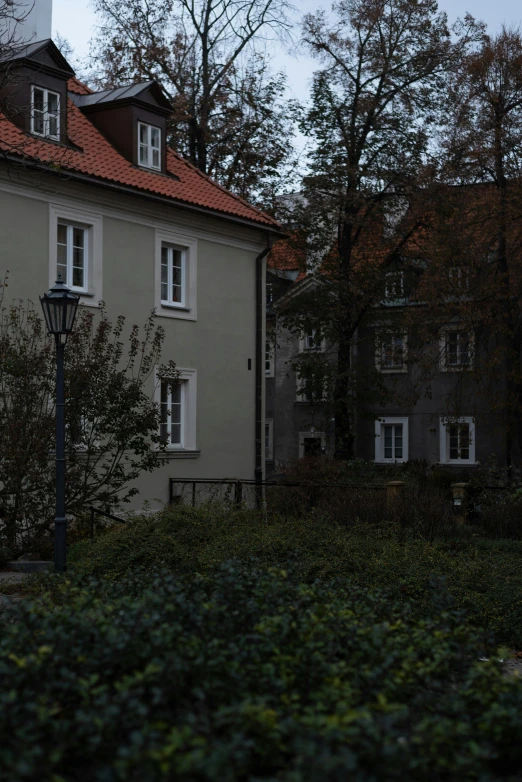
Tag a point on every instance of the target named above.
point(76, 21)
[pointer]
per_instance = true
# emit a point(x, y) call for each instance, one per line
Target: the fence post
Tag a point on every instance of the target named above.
point(460, 500)
point(394, 491)
point(194, 495)
point(92, 523)
point(239, 492)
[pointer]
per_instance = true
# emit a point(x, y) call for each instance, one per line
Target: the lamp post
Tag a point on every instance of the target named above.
point(59, 307)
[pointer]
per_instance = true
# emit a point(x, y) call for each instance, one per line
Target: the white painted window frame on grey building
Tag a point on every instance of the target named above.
point(187, 310)
point(379, 439)
point(380, 340)
point(445, 444)
point(92, 223)
point(315, 435)
point(188, 379)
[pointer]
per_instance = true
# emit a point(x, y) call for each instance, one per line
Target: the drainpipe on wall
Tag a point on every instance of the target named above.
point(259, 365)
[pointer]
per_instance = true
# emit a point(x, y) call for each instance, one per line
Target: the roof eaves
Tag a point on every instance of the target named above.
point(224, 190)
point(147, 194)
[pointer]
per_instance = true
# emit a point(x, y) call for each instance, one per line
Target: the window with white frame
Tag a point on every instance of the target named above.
point(312, 388)
point(394, 285)
point(75, 251)
point(172, 413)
point(173, 273)
point(269, 440)
point(311, 444)
point(149, 146)
point(72, 252)
point(391, 440)
point(311, 340)
point(45, 113)
point(177, 400)
point(457, 440)
point(457, 347)
point(176, 276)
point(391, 353)
point(459, 277)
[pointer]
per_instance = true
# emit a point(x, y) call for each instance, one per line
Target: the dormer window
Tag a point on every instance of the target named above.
point(45, 113)
point(149, 146)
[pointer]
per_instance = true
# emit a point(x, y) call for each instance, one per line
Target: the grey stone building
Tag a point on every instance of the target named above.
point(445, 421)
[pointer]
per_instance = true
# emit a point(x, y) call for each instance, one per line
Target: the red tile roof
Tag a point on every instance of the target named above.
point(286, 256)
point(93, 156)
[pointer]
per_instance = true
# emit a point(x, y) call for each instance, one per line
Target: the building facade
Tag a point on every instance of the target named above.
point(90, 192)
point(443, 420)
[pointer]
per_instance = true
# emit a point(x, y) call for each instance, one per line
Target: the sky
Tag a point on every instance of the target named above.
point(76, 21)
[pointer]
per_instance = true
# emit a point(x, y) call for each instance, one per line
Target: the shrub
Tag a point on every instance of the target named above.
point(245, 674)
point(483, 577)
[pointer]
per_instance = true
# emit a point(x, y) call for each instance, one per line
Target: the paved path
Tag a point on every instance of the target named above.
point(10, 576)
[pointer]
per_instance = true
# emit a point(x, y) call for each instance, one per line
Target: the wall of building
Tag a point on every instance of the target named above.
point(218, 345)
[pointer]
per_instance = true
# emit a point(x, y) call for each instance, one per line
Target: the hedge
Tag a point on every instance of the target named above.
point(483, 577)
point(248, 674)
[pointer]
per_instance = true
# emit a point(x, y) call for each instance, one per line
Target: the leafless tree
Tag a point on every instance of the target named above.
point(211, 57)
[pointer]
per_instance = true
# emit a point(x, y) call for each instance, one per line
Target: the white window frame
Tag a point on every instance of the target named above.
point(300, 383)
point(269, 448)
point(379, 439)
point(170, 249)
point(69, 228)
point(45, 114)
point(380, 340)
point(303, 343)
point(444, 366)
point(188, 380)
point(187, 310)
point(444, 440)
point(389, 298)
point(92, 223)
point(315, 435)
point(460, 276)
point(149, 146)
point(269, 357)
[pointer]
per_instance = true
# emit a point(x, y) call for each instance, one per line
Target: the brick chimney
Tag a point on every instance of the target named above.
point(28, 21)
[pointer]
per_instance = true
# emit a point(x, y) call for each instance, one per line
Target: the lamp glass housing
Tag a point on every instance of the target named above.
point(59, 307)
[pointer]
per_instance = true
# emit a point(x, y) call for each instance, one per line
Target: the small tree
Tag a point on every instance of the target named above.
point(112, 421)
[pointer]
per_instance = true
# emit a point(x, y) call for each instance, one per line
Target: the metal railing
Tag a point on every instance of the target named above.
point(95, 511)
point(251, 493)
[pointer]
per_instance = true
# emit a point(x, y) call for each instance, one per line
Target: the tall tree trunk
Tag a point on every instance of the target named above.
point(508, 331)
point(344, 435)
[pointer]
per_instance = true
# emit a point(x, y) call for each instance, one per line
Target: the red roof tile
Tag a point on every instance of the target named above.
point(286, 256)
point(94, 156)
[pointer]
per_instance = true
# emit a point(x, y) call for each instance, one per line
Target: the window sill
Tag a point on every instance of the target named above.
point(390, 461)
point(392, 371)
point(458, 463)
point(168, 306)
point(181, 453)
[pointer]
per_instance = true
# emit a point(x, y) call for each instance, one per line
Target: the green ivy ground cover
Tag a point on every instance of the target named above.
point(483, 577)
point(245, 674)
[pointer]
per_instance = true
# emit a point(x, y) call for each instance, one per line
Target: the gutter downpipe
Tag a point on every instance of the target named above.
point(258, 473)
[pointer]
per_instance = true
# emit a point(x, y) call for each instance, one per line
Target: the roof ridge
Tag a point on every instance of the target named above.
point(223, 189)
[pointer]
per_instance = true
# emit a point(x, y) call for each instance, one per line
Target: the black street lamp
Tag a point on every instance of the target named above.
point(59, 308)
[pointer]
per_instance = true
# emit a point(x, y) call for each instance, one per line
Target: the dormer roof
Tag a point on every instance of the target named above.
point(148, 93)
point(41, 55)
point(90, 157)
